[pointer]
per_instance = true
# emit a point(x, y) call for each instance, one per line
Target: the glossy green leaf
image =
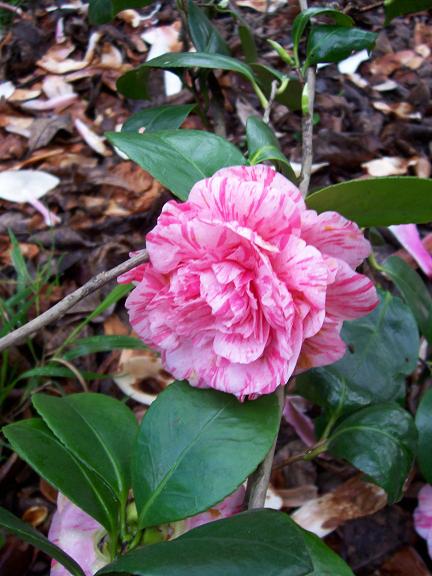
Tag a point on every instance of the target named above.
point(97, 429)
point(264, 146)
point(382, 350)
point(134, 83)
point(189, 434)
point(423, 421)
point(335, 43)
point(248, 43)
point(378, 201)
point(303, 19)
point(102, 343)
point(205, 36)
point(178, 158)
point(256, 543)
point(395, 8)
point(414, 292)
point(34, 442)
point(380, 441)
point(102, 11)
point(25, 532)
point(159, 118)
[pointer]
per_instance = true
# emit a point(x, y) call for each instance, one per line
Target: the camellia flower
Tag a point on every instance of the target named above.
point(423, 516)
point(245, 285)
point(80, 536)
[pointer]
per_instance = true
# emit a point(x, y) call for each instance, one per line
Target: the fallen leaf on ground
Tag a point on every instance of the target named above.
point(352, 499)
point(406, 562)
point(388, 166)
point(403, 110)
point(263, 6)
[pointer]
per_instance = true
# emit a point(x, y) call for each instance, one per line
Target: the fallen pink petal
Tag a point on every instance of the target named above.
point(408, 235)
point(423, 516)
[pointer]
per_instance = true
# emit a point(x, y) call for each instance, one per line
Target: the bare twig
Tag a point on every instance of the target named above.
point(70, 300)
point(307, 133)
point(307, 125)
point(258, 481)
point(274, 87)
point(10, 8)
point(373, 6)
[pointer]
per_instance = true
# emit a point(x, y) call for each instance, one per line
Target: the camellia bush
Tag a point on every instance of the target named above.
point(246, 283)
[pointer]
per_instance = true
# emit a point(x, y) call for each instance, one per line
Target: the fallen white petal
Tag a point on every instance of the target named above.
point(350, 64)
point(6, 89)
point(28, 186)
point(96, 142)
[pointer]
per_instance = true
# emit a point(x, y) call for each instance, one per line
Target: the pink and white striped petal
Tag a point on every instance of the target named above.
point(335, 236)
point(352, 295)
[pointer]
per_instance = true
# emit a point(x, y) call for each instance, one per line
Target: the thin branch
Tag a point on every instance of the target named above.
point(58, 310)
point(259, 481)
point(307, 133)
point(10, 8)
point(274, 88)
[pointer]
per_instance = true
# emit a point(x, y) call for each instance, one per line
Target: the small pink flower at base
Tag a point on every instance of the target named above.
point(408, 235)
point(423, 516)
point(245, 286)
point(77, 534)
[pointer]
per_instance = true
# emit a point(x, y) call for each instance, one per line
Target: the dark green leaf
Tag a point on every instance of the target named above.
point(14, 525)
point(414, 292)
point(98, 430)
point(395, 8)
point(205, 36)
point(381, 441)
point(160, 118)
point(46, 372)
point(248, 43)
point(303, 19)
point(256, 543)
point(103, 343)
point(134, 83)
point(335, 43)
point(102, 11)
point(36, 444)
point(178, 158)
point(382, 350)
point(263, 146)
point(51, 371)
point(424, 426)
point(188, 434)
point(23, 276)
point(378, 201)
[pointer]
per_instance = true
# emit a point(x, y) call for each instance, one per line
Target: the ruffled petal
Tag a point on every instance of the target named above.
point(335, 236)
point(324, 348)
point(351, 295)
